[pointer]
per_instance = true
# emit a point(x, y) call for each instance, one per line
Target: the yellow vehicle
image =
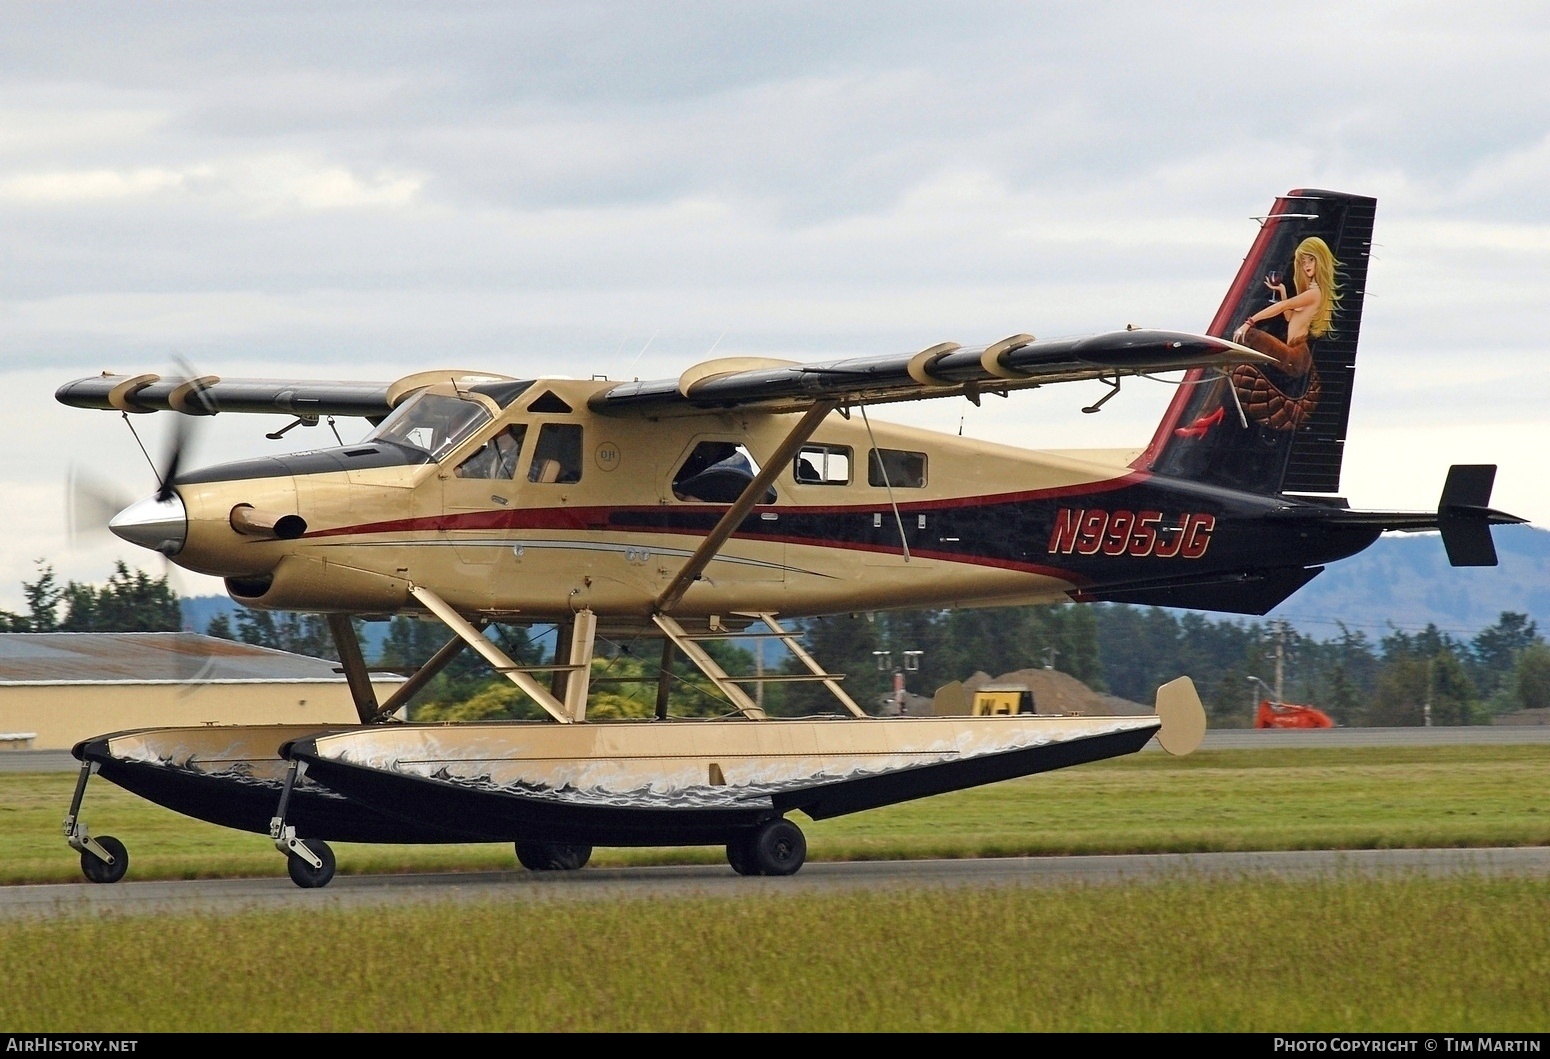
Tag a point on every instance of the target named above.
point(1003, 700)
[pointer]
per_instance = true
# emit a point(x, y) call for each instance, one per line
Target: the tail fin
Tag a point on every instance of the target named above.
point(1270, 431)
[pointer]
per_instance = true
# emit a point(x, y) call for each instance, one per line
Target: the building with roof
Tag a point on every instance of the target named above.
point(57, 688)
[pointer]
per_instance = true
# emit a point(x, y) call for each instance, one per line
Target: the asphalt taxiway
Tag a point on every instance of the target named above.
point(226, 896)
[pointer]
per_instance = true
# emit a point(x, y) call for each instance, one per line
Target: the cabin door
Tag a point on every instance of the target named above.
point(479, 496)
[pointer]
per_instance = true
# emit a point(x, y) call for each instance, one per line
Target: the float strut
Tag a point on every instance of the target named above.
point(284, 834)
point(76, 833)
point(664, 677)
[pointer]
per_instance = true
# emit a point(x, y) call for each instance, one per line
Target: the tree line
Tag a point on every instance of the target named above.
point(1396, 679)
point(1129, 651)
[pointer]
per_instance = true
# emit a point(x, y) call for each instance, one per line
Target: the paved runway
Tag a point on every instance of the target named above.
point(610, 884)
point(1221, 739)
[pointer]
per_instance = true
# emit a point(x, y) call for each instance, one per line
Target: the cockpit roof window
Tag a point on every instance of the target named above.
point(549, 401)
point(503, 393)
point(433, 423)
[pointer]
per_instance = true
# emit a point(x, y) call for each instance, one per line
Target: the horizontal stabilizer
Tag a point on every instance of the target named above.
point(1468, 486)
point(1465, 516)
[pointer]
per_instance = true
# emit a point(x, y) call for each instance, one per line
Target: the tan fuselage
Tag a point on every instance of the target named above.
point(512, 546)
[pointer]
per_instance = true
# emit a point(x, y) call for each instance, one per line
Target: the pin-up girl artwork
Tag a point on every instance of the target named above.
point(1284, 397)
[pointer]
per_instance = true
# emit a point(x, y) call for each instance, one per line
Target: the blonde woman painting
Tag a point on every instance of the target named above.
point(1284, 404)
point(1307, 313)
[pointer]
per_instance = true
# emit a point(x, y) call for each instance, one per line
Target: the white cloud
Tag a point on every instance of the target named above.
point(265, 182)
point(88, 185)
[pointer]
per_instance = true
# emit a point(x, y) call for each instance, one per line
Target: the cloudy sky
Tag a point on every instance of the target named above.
point(361, 191)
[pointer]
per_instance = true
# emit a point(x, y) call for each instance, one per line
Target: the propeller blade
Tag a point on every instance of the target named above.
point(168, 471)
point(90, 503)
point(182, 434)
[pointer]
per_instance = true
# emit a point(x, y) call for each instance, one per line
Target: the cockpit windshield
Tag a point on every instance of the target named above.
point(432, 422)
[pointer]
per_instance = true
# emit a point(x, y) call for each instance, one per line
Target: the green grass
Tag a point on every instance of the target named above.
point(1347, 798)
point(1410, 954)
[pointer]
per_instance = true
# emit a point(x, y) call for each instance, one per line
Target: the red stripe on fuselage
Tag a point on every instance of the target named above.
point(597, 518)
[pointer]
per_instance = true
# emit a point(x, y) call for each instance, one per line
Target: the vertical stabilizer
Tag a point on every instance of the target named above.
point(1280, 429)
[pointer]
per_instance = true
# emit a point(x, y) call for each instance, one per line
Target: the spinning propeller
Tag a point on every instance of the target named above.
point(182, 430)
point(91, 504)
point(158, 521)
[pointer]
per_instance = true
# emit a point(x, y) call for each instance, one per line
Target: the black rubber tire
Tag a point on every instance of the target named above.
point(740, 855)
point(100, 871)
point(778, 848)
point(304, 874)
point(553, 856)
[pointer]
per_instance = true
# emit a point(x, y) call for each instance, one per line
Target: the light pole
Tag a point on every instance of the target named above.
point(1426, 706)
point(911, 665)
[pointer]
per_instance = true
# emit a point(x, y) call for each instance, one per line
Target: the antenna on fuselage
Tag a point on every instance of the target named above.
point(647, 346)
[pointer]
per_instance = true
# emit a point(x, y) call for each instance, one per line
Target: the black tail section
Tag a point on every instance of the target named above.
point(1280, 429)
point(1464, 515)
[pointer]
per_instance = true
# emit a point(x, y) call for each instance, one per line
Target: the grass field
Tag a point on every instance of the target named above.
point(1347, 798)
point(1408, 954)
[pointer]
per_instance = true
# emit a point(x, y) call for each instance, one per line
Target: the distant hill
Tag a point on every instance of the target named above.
point(1405, 579)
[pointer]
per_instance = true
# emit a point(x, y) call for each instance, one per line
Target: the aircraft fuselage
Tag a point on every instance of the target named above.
point(940, 520)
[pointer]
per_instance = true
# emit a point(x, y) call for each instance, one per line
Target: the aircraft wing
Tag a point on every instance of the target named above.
point(945, 370)
point(210, 394)
point(760, 384)
point(142, 393)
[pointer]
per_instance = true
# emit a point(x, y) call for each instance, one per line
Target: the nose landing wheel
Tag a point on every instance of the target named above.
point(307, 875)
point(103, 860)
point(105, 871)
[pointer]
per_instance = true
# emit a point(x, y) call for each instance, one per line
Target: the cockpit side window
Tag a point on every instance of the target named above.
point(496, 458)
point(717, 472)
point(557, 456)
point(433, 423)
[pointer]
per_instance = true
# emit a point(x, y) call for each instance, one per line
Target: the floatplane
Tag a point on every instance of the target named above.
point(727, 502)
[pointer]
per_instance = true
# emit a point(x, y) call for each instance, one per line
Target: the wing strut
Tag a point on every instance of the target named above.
point(518, 675)
point(349, 647)
point(739, 510)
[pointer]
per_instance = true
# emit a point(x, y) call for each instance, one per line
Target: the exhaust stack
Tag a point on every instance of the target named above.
point(265, 525)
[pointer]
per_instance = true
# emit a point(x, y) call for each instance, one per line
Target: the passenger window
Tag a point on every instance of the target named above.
point(822, 465)
point(557, 456)
point(717, 472)
point(896, 468)
point(496, 458)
